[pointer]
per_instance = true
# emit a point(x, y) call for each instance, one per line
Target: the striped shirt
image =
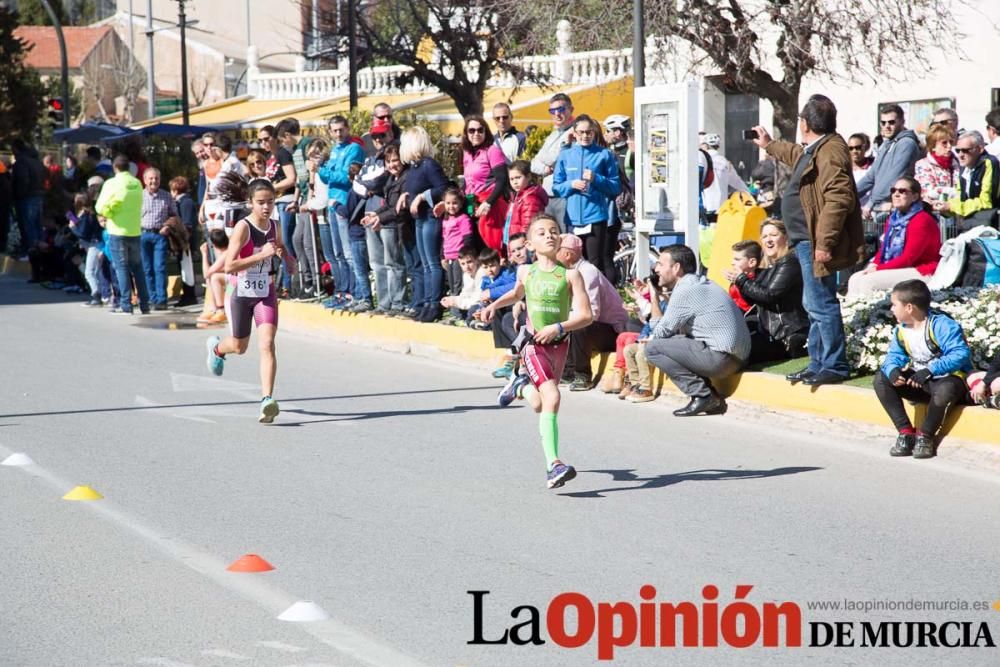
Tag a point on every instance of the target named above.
point(156, 208)
point(700, 309)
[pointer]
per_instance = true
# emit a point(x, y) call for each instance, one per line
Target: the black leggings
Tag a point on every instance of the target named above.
point(942, 392)
point(598, 249)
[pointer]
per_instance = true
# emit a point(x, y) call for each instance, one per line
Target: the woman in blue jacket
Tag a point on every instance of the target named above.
point(425, 185)
point(586, 176)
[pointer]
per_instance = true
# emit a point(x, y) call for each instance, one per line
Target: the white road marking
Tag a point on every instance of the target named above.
point(164, 662)
point(179, 413)
point(331, 632)
point(280, 646)
point(223, 653)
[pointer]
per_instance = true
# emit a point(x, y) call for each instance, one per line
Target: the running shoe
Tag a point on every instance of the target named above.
point(511, 389)
point(268, 410)
point(560, 474)
point(214, 361)
point(506, 369)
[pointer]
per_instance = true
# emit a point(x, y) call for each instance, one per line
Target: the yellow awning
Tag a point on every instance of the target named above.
point(597, 101)
point(530, 104)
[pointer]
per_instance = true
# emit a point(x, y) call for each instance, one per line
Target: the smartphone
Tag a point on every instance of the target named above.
point(654, 279)
point(749, 135)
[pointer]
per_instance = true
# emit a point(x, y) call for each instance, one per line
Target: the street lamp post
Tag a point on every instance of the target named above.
point(352, 53)
point(638, 45)
point(182, 21)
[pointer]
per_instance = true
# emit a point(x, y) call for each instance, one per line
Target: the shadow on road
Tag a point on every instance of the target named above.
point(364, 416)
point(354, 415)
point(660, 481)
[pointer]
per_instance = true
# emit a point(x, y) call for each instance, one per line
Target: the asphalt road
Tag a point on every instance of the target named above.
point(391, 485)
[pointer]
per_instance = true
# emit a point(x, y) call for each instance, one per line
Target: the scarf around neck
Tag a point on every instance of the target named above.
point(895, 236)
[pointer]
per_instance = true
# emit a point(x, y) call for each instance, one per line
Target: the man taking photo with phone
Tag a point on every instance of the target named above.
point(821, 212)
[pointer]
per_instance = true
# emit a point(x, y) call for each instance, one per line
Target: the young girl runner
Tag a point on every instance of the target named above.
point(256, 240)
point(549, 289)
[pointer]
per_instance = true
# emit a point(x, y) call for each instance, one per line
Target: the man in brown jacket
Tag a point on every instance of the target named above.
point(821, 212)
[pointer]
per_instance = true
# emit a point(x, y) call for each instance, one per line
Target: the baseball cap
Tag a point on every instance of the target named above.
point(570, 242)
point(94, 180)
point(380, 126)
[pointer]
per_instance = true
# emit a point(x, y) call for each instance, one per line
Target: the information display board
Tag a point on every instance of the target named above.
point(666, 162)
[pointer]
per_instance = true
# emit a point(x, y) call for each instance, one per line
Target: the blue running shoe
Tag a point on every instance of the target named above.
point(505, 370)
point(268, 410)
point(329, 303)
point(214, 361)
point(560, 474)
point(510, 390)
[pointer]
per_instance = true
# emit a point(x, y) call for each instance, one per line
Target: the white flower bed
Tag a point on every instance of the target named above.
point(868, 324)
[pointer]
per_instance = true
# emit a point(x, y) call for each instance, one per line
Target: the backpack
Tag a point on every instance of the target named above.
point(625, 201)
point(982, 264)
point(709, 176)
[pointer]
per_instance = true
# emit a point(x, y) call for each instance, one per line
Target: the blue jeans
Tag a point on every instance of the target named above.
point(126, 252)
point(827, 346)
point(340, 265)
point(29, 221)
point(359, 264)
point(287, 220)
point(155, 247)
point(385, 252)
point(415, 268)
point(429, 248)
point(326, 243)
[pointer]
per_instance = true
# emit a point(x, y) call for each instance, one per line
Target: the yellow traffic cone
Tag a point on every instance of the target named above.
point(82, 493)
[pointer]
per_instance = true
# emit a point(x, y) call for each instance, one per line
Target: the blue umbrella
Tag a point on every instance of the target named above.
point(90, 133)
point(168, 130)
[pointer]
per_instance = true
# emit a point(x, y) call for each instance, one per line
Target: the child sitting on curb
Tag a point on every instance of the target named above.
point(638, 387)
point(215, 277)
point(746, 259)
point(928, 359)
point(497, 281)
point(465, 304)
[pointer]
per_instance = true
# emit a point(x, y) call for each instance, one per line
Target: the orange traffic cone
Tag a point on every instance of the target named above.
point(250, 563)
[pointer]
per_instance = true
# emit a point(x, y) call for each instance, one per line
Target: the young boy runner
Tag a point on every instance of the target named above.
point(928, 358)
point(249, 263)
point(549, 290)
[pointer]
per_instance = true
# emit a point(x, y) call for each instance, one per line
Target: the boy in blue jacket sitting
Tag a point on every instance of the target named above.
point(498, 281)
point(927, 362)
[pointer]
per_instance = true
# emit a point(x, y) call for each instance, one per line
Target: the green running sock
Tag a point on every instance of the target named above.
point(548, 427)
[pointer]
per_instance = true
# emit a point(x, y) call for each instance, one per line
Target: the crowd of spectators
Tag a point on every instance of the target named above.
point(375, 225)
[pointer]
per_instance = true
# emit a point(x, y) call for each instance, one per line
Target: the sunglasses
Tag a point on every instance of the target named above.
point(856, 148)
point(385, 117)
point(555, 110)
point(901, 191)
point(963, 151)
point(476, 130)
point(501, 117)
point(584, 132)
point(886, 123)
point(378, 136)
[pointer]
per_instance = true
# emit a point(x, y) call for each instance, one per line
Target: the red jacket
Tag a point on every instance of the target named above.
point(922, 249)
point(527, 203)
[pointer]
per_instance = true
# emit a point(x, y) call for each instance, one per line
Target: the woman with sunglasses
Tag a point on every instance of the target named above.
point(911, 246)
point(486, 180)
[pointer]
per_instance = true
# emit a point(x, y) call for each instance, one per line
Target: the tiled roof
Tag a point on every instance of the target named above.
point(45, 54)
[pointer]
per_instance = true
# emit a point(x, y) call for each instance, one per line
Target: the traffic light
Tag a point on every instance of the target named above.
point(57, 111)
